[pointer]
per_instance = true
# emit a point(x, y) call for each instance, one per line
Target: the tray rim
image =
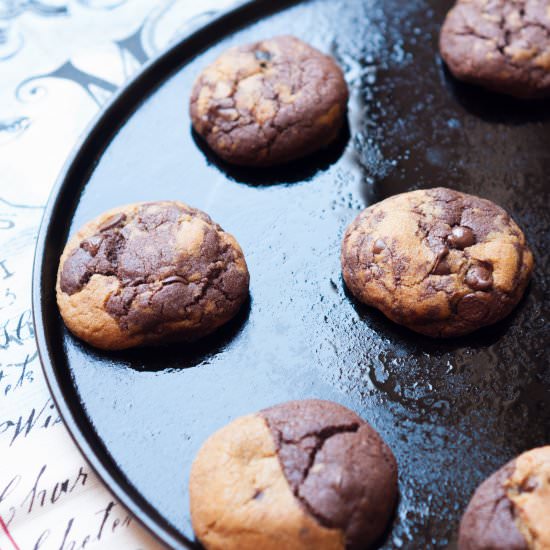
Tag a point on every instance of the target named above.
point(248, 11)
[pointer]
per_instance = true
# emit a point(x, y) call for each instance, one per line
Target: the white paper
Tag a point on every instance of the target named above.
point(59, 63)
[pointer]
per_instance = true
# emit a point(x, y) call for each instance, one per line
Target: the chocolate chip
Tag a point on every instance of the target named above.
point(473, 308)
point(461, 237)
point(135, 282)
point(442, 267)
point(479, 277)
point(442, 252)
point(529, 485)
point(173, 279)
point(379, 245)
point(112, 222)
point(91, 245)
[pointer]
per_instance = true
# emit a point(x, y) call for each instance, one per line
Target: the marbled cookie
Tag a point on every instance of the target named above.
point(149, 273)
point(511, 509)
point(302, 475)
point(440, 262)
point(269, 102)
point(503, 45)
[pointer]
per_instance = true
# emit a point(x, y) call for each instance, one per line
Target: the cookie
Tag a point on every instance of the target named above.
point(150, 273)
point(501, 45)
point(269, 102)
point(300, 475)
point(440, 262)
point(511, 509)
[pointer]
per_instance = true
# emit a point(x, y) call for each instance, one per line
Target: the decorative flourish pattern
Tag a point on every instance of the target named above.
point(10, 128)
point(11, 40)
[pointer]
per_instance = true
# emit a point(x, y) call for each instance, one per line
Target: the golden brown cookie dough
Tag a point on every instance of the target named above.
point(440, 262)
point(503, 45)
point(511, 509)
point(269, 102)
point(149, 273)
point(302, 475)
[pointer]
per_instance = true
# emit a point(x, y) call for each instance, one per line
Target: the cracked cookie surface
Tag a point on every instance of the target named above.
point(300, 475)
point(440, 262)
point(501, 45)
point(510, 509)
point(150, 273)
point(269, 102)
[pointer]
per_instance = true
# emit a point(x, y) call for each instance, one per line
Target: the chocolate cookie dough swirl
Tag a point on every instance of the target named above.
point(440, 262)
point(510, 510)
point(501, 45)
point(269, 102)
point(150, 273)
point(301, 475)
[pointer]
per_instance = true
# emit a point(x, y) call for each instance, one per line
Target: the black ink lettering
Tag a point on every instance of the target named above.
point(10, 298)
point(58, 489)
point(10, 487)
point(41, 539)
point(25, 426)
point(81, 478)
point(24, 374)
point(106, 512)
point(7, 274)
point(34, 493)
point(64, 541)
point(25, 324)
point(48, 420)
point(7, 520)
point(6, 425)
point(24, 330)
point(126, 521)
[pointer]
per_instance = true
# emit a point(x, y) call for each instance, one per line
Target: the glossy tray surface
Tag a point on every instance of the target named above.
point(452, 411)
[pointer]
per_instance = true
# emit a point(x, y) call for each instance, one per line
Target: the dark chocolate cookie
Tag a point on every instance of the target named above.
point(149, 273)
point(501, 45)
point(511, 509)
point(270, 102)
point(440, 262)
point(301, 475)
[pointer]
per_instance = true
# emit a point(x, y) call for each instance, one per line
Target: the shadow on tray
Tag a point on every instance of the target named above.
point(292, 172)
point(178, 355)
point(496, 108)
point(412, 341)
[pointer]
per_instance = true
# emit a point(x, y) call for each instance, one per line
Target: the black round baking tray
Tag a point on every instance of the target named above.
point(453, 411)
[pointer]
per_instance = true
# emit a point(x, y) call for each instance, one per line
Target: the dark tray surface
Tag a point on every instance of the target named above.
point(453, 411)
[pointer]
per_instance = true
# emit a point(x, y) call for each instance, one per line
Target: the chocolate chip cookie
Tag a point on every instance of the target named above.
point(301, 475)
point(149, 273)
point(501, 45)
point(440, 262)
point(269, 102)
point(511, 509)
